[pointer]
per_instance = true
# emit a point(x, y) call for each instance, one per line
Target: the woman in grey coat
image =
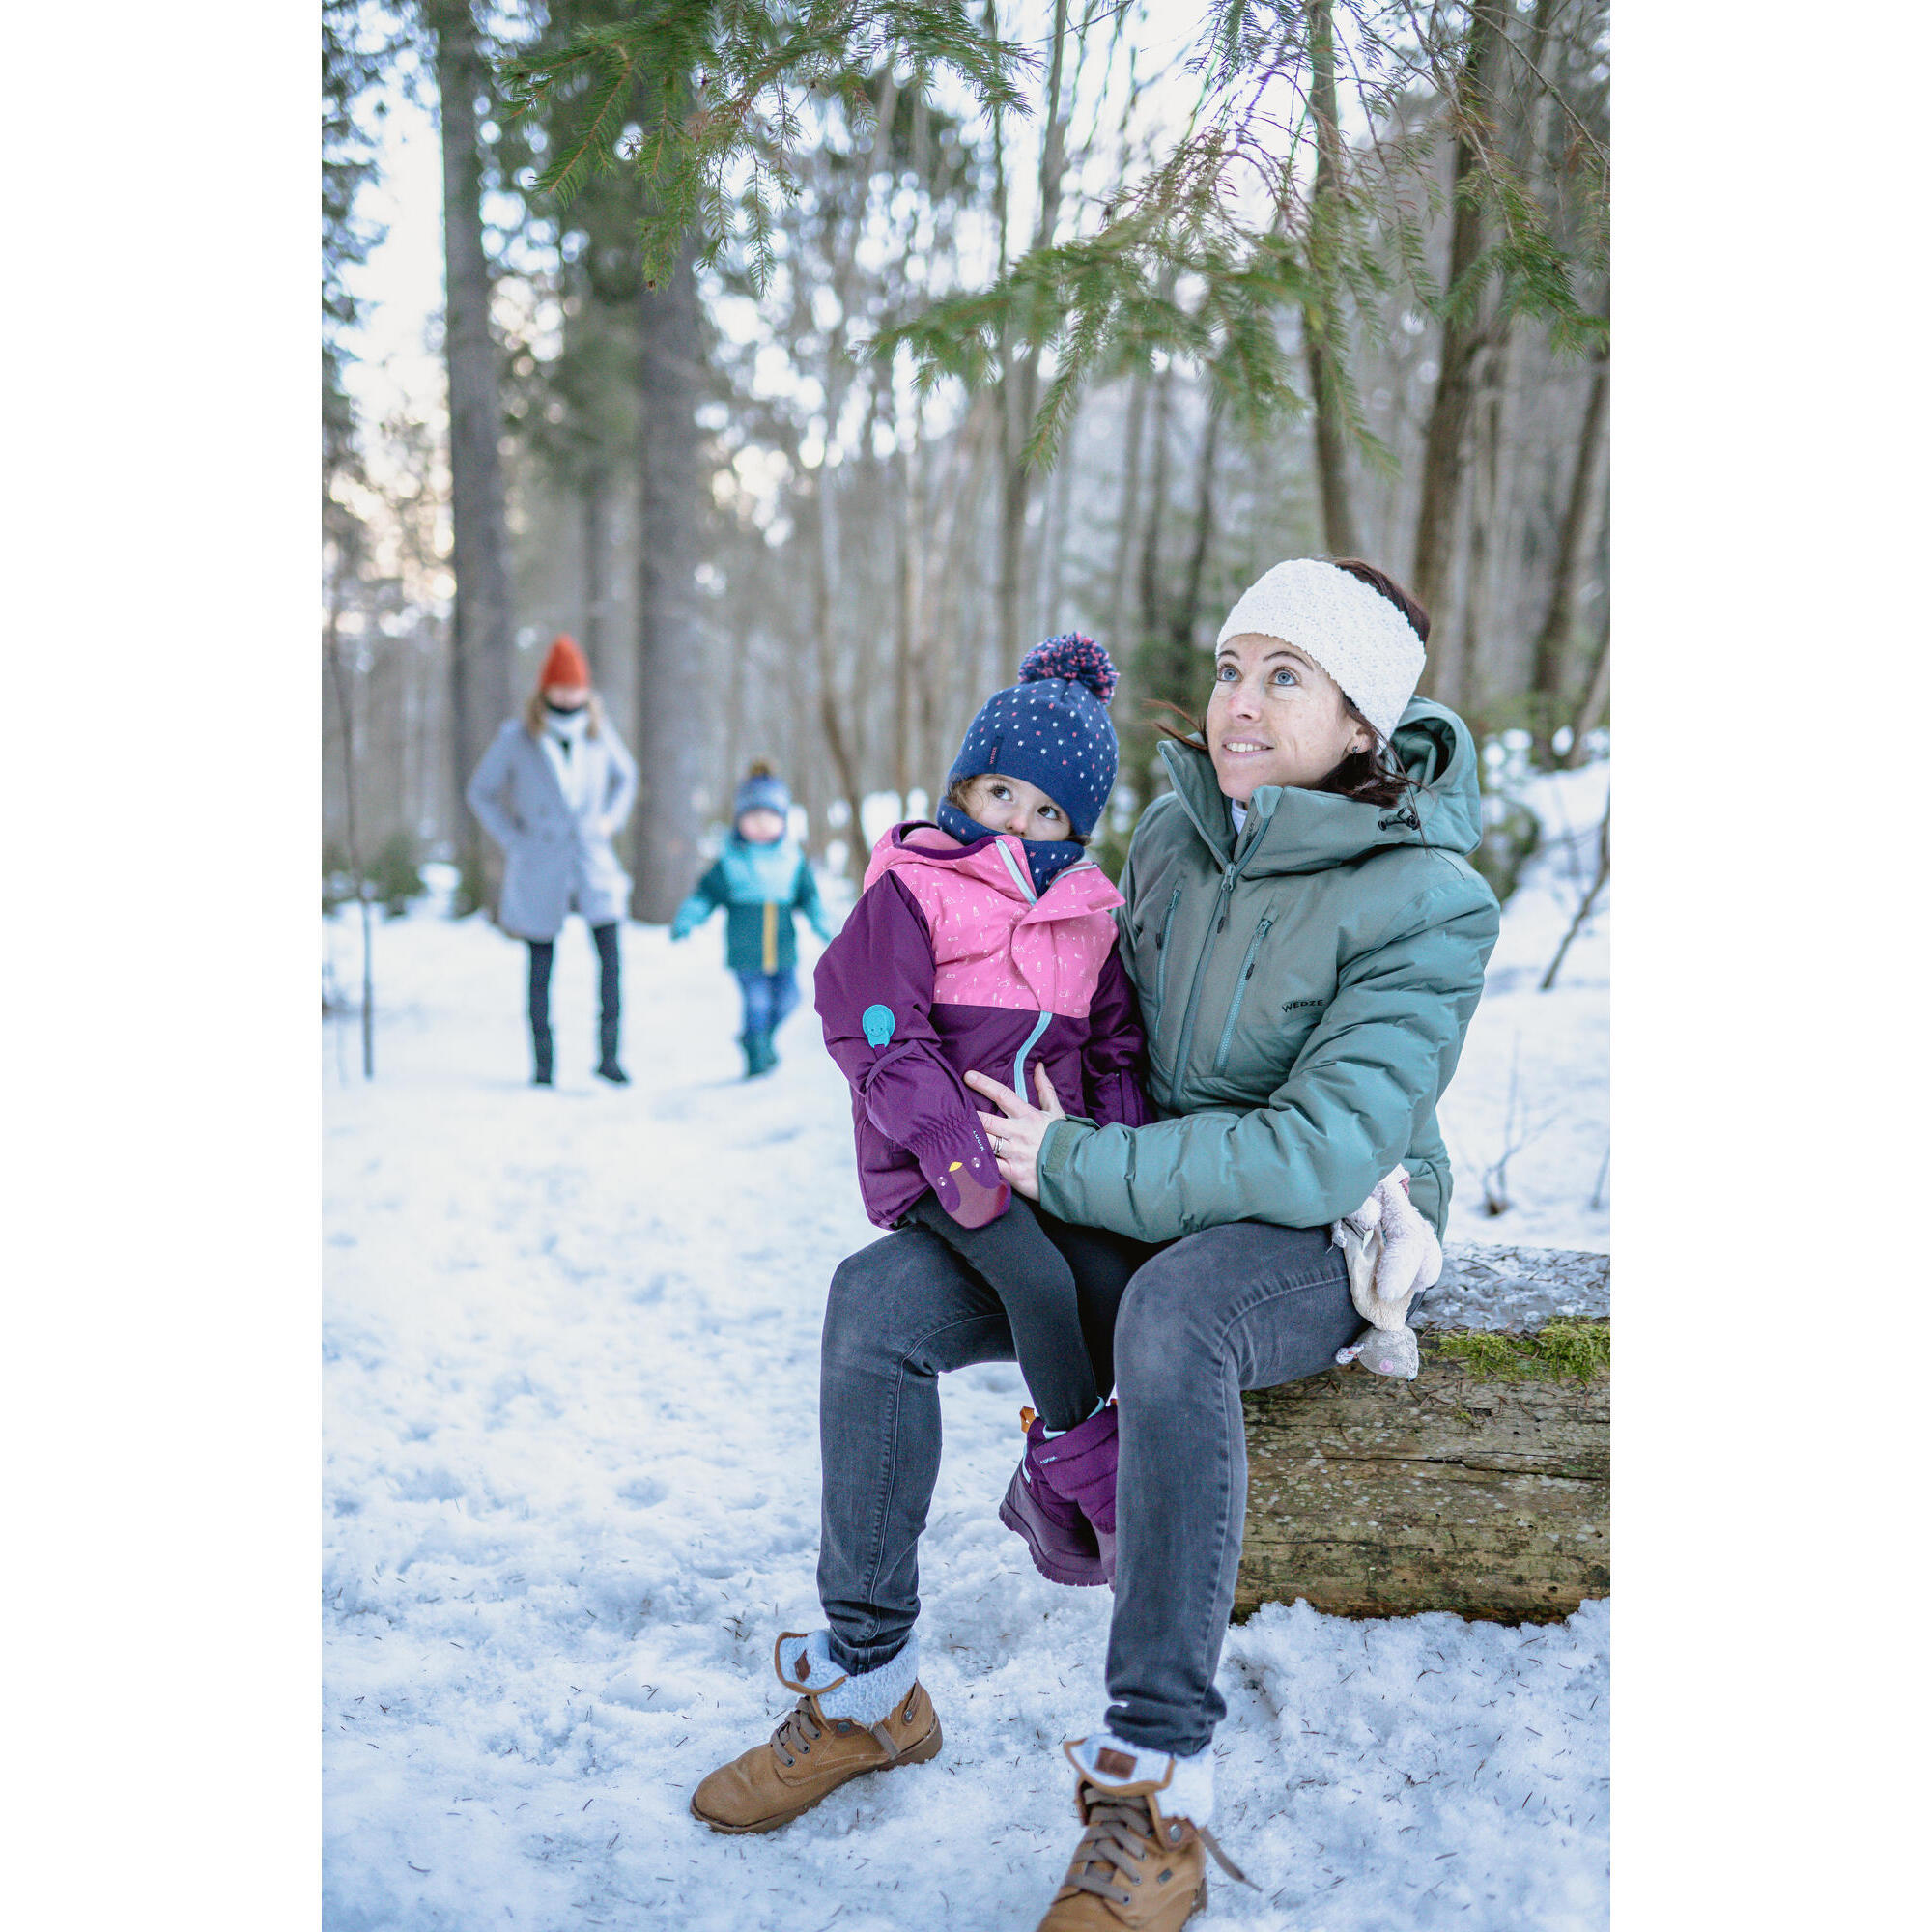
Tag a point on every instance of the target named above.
point(553, 790)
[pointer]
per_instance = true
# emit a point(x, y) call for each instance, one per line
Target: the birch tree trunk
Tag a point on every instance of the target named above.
point(481, 640)
point(667, 733)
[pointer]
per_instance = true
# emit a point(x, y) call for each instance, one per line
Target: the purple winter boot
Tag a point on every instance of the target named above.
point(1080, 1468)
point(1062, 1546)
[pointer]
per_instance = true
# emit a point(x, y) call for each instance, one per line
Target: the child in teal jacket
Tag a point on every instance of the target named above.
point(762, 881)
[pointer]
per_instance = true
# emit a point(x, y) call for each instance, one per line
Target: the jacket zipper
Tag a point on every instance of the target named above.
point(1019, 1058)
point(1231, 875)
point(1160, 946)
point(1241, 991)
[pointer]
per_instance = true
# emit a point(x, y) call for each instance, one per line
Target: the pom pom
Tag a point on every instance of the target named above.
point(759, 769)
point(1077, 659)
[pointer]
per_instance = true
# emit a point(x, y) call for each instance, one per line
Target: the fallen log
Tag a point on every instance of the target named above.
point(1482, 1487)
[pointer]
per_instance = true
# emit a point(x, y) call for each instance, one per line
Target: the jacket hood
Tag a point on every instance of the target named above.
point(997, 860)
point(1292, 830)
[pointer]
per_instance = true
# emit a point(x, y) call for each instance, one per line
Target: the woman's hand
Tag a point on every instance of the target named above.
point(1017, 1137)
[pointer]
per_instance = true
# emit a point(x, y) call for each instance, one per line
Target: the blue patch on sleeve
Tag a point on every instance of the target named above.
point(878, 1022)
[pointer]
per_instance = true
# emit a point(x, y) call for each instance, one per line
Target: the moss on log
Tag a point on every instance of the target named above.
point(1481, 1488)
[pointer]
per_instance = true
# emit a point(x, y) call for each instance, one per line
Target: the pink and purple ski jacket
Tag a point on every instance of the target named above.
point(951, 963)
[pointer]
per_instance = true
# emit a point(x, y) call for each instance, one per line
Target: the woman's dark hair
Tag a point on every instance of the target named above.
point(1371, 776)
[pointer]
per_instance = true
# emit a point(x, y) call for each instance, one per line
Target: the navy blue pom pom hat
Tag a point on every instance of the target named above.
point(1051, 730)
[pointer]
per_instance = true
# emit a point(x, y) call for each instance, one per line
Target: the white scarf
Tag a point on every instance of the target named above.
point(566, 747)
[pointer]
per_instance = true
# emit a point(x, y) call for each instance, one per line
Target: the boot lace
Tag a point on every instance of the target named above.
point(1118, 1840)
point(805, 1725)
point(1120, 1836)
point(793, 1738)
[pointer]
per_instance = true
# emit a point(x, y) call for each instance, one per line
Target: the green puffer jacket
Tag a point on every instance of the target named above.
point(1305, 989)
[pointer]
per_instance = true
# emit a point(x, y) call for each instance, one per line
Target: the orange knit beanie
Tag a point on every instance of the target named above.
point(565, 665)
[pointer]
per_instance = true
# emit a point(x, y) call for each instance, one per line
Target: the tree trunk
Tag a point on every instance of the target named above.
point(594, 504)
point(1130, 500)
point(1321, 322)
point(667, 730)
point(1481, 1488)
point(1053, 535)
point(1463, 335)
point(911, 604)
point(1590, 713)
point(1152, 627)
point(481, 643)
point(1020, 389)
point(839, 728)
point(1549, 672)
point(1488, 434)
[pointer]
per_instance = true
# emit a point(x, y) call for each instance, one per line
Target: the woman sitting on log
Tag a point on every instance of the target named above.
point(1307, 942)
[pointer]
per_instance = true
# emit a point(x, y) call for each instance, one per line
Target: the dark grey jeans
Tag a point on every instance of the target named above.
point(1244, 1306)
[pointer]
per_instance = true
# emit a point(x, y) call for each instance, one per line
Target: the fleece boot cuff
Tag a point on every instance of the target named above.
point(866, 1697)
point(1183, 1787)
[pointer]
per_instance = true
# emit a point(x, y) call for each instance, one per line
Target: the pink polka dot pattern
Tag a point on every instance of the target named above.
point(991, 946)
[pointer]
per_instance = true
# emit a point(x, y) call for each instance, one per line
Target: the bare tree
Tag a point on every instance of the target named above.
point(669, 744)
point(1464, 334)
point(1551, 667)
point(1321, 321)
point(1586, 905)
point(482, 638)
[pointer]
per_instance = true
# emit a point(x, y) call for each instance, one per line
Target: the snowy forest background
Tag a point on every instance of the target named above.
point(807, 362)
point(1322, 278)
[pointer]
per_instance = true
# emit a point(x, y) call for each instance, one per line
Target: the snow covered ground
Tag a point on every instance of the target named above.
point(570, 1490)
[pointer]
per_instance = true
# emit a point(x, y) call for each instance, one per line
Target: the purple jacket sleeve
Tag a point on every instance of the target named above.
point(1116, 1052)
point(879, 966)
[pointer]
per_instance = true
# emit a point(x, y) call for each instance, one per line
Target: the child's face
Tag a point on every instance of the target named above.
point(761, 826)
point(1010, 805)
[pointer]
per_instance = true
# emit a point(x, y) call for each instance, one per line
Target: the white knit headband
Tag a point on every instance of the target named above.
point(1351, 630)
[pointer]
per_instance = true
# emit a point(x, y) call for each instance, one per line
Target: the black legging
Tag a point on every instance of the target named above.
point(609, 988)
point(1061, 1287)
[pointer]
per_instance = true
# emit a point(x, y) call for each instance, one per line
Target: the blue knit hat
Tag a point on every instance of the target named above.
point(1051, 730)
point(763, 790)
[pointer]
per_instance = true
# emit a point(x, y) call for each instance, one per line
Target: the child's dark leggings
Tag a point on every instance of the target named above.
point(1060, 1286)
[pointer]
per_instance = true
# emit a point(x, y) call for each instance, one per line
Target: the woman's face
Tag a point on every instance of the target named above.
point(1276, 717)
point(567, 696)
point(1010, 805)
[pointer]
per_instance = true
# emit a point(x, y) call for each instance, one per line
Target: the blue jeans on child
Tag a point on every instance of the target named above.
point(768, 998)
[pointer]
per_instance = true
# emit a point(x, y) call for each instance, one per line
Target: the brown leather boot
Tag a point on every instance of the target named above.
point(1134, 1870)
point(811, 1755)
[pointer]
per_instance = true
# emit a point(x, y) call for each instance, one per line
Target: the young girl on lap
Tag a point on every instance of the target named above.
point(986, 942)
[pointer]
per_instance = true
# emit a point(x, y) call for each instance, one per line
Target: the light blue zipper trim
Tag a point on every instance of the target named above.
point(1021, 877)
point(1019, 1060)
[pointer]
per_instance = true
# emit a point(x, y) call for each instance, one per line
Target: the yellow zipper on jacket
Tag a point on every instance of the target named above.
point(770, 935)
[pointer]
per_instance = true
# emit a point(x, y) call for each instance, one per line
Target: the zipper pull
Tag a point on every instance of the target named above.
point(1227, 898)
